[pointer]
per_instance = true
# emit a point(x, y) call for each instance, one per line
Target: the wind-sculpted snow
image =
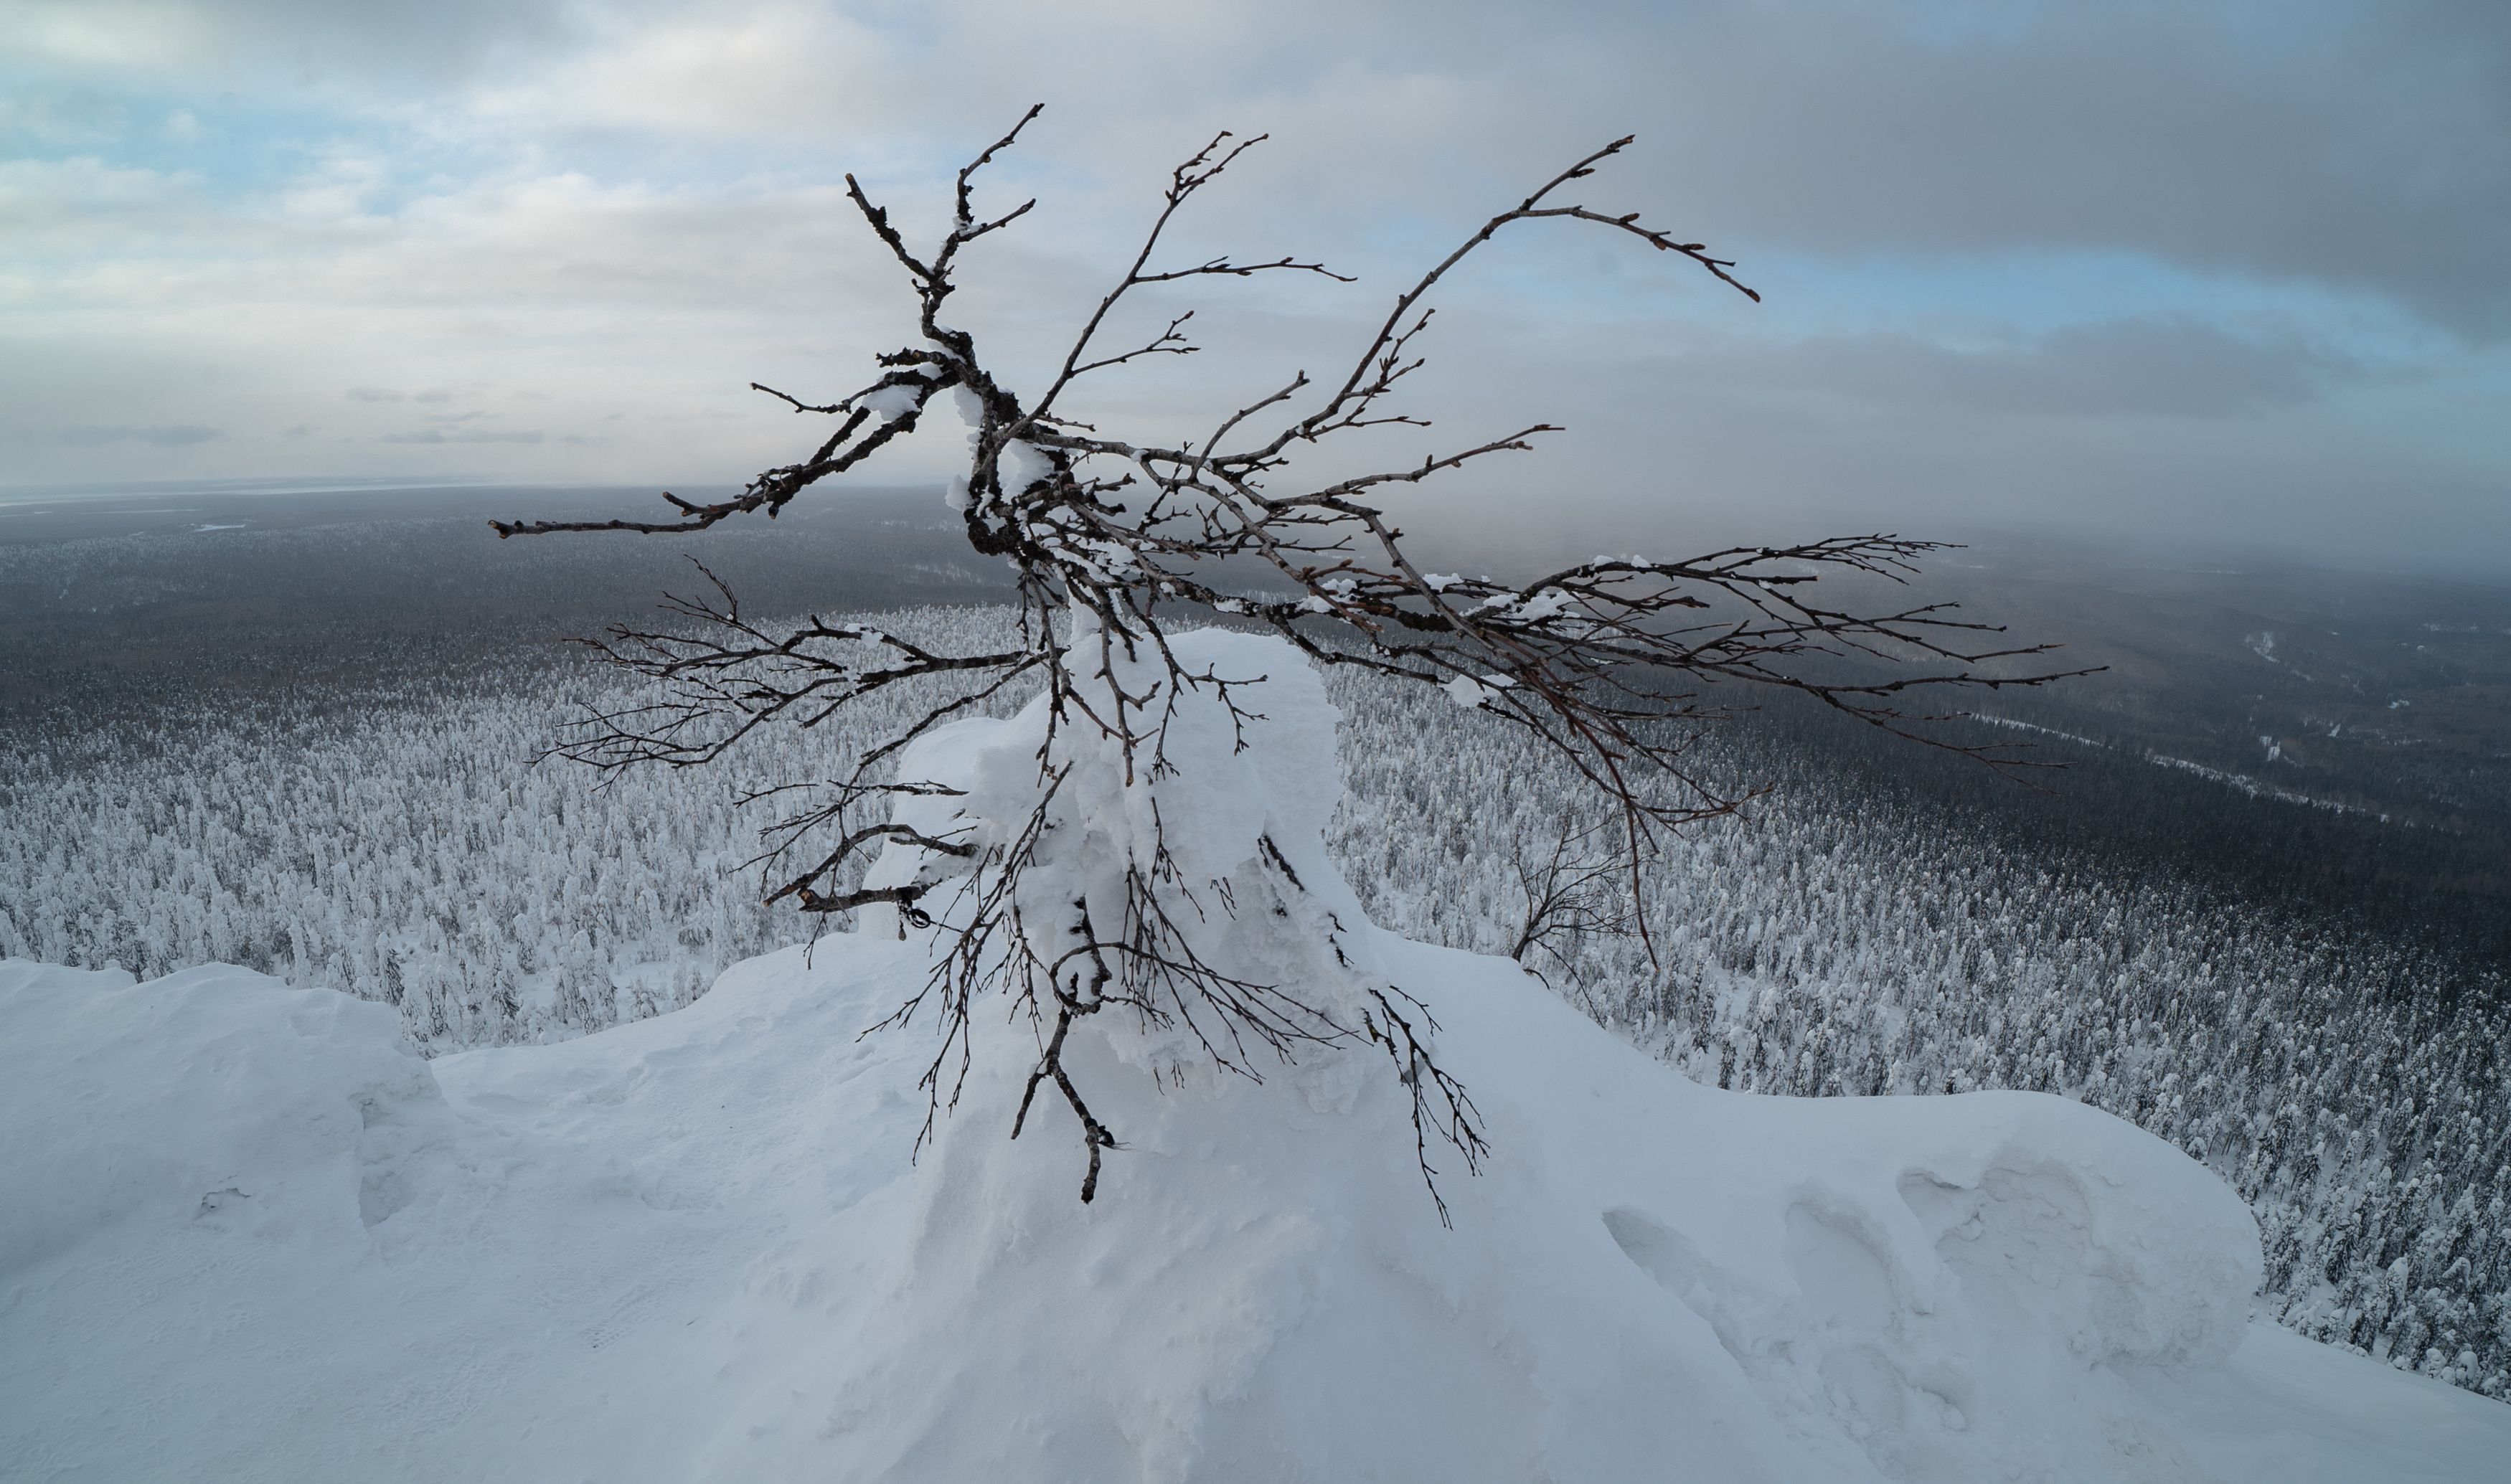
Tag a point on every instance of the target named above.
point(693, 1248)
point(1630, 1293)
point(198, 1098)
point(1918, 1287)
point(2358, 1095)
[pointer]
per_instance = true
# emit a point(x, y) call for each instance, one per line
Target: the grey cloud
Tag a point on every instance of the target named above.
point(461, 436)
point(2149, 365)
point(2357, 146)
point(162, 434)
point(2361, 146)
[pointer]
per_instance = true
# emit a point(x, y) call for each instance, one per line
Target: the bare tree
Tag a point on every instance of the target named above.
point(1575, 889)
point(1113, 541)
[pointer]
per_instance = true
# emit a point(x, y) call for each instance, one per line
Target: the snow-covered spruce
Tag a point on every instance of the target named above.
point(693, 1248)
point(411, 852)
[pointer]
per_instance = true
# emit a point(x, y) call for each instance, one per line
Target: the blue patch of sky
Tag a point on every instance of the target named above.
point(239, 149)
point(230, 145)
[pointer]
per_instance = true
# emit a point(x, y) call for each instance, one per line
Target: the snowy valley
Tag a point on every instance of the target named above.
point(276, 1240)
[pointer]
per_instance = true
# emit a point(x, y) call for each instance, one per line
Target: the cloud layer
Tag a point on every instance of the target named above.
point(2239, 266)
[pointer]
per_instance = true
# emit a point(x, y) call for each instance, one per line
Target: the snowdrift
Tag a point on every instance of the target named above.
point(250, 1235)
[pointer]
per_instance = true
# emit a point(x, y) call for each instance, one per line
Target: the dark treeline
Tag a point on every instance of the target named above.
point(2131, 813)
point(155, 627)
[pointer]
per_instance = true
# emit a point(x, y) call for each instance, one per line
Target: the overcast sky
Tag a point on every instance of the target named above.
point(2184, 270)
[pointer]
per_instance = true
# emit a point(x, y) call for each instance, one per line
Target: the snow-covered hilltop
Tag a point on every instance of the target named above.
point(254, 1237)
point(252, 1234)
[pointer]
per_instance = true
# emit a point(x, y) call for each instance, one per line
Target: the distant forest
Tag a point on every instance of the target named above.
point(308, 605)
point(312, 756)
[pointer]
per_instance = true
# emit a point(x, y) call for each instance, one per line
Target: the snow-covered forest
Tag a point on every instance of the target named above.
point(2354, 1092)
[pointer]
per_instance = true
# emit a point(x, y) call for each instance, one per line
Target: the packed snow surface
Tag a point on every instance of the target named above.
point(248, 1234)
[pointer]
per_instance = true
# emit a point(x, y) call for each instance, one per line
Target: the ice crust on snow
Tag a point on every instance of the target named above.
point(250, 1235)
